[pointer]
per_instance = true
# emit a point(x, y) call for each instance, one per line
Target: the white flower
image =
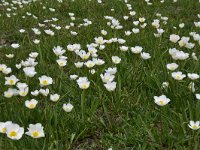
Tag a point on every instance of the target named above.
point(135, 30)
point(33, 54)
point(73, 33)
point(98, 61)
point(73, 77)
point(31, 104)
point(10, 55)
point(44, 92)
point(103, 32)
point(54, 97)
point(136, 23)
point(111, 70)
point(35, 93)
point(107, 77)
point(14, 131)
point(184, 41)
point(136, 49)
point(193, 76)
point(194, 125)
point(12, 80)
point(83, 82)
point(120, 41)
point(21, 85)
point(124, 48)
point(61, 62)
point(49, 32)
point(145, 55)
point(68, 107)
point(110, 86)
point(36, 31)
point(181, 25)
point(165, 85)
point(36, 41)
point(15, 45)
point(99, 40)
point(178, 55)
point(35, 130)
point(161, 100)
point(45, 80)
point(197, 96)
point(79, 64)
point(194, 55)
point(23, 91)
point(58, 50)
point(191, 87)
point(178, 75)
point(29, 71)
point(3, 126)
point(172, 66)
point(174, 38)
point(22, 30)
point(142, 19)
point(9, 93)
point(7, 70)
point(89, 64)
point(2, 67)
point(84, 55)
point(127, 33)
point(116, 59)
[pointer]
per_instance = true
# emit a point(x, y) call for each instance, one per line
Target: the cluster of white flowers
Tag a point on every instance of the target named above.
point(108, 78)
point(15, 132)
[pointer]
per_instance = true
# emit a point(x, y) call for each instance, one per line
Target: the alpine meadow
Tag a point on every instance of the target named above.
point(99, 74)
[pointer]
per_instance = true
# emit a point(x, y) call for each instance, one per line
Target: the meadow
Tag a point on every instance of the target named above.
point(99, 74)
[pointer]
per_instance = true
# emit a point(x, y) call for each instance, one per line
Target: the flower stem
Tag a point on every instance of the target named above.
point(161, 130)
point(83, 105)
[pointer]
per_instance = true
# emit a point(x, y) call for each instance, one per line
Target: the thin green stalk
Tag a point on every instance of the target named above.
point(161, 130)
point(83, 105)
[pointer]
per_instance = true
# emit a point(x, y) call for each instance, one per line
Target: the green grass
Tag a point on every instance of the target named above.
point(124, 119)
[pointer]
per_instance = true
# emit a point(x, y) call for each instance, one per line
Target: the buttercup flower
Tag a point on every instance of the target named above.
point(116, 59)
point(12, 80)
point(193, 76)
point(83, 82)
point(45, 80)
point(35, 130)
point(172, 66)
point(178, 75)
point(31, 104)
point(194, 125)
point(14, 131)
point(161, 100)
point(54, 97)
point(110, 86)
point(68, 107)
point(3, 126)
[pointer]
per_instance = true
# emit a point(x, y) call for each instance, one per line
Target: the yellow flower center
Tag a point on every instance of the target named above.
point(3, 130)
point(12, 82)
point(85, 86)
point(31, 106)
point(194, 127)
point(85, 57)
point(161, 102)
point(61, 64)
point(45, 82)
point(23, 93)
point(178, 77)
point(8, 95)
point(35, 134)
point(13, 134)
